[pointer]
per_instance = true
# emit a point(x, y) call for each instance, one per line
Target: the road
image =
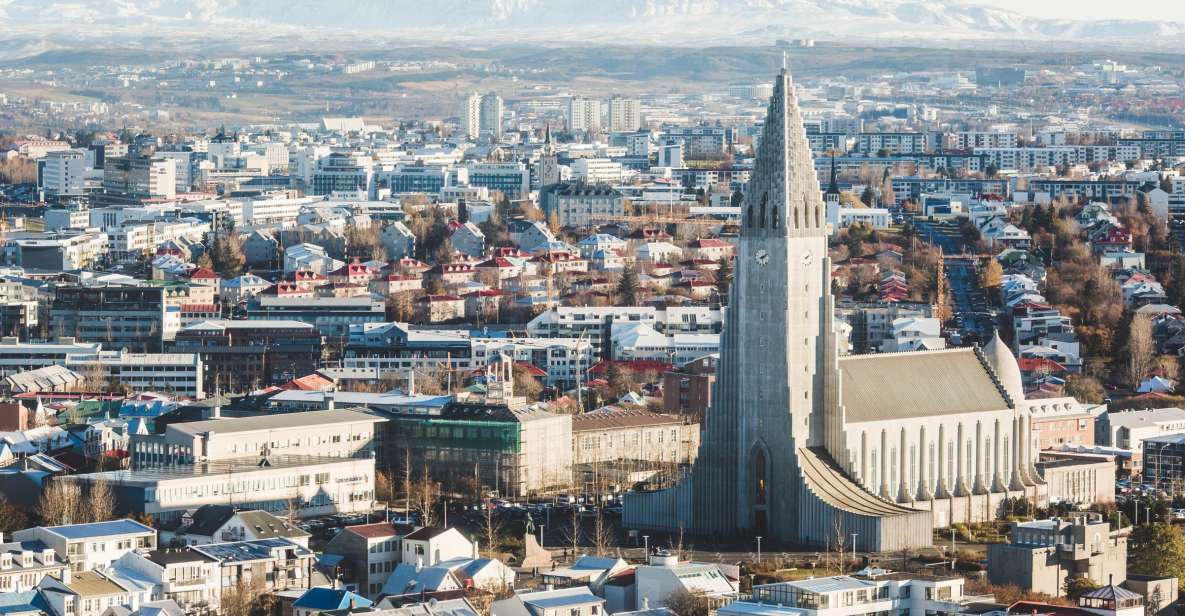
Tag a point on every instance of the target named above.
point(973, 313)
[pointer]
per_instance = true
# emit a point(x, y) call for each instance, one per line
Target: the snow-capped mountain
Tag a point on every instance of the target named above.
point(679, 22)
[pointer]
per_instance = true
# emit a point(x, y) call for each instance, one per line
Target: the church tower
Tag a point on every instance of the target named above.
point(832, 195)
point(549, 163)
point(771, 460)
point(776, 340)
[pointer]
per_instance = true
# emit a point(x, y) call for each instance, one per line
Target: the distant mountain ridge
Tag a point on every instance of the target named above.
point(560, 21)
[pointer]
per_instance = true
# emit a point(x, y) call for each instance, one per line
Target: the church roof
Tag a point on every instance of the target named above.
point(890, 386)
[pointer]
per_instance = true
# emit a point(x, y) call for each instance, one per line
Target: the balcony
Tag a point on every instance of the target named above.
point(183, 585)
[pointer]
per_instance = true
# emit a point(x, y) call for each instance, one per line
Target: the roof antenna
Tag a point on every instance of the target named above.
point(783, 60)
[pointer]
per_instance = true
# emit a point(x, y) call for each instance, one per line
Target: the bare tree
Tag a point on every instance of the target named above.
point(492, 529)
point(604, 538)
point(101, 502)
point(424, 494)
point(689, 603)
point(838, 544)
point(61, 503)
point(573, 533)
point(245, 599)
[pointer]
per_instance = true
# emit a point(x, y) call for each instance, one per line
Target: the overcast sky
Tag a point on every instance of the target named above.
point(1143, 10)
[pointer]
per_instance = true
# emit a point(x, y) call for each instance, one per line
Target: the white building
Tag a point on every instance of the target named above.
point(337, 433)
point(490, 118)
point(92, 546)
point(63, 173)
point(914, 334)
point(640, 341)
point(584, 115)
point(433, 545)
point(179, 374)
point(470, 116)
point(597, 171)
point(314, 485)
point(274, 208)
point(665, 574)
point(17, 356)
point(625, 114)
point(871, 591)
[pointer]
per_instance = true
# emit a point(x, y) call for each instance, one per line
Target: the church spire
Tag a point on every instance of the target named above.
point(833, 187)
point(784, 197)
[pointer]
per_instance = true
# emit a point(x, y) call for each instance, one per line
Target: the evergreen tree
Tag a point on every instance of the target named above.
point(868, 197)
point(627, 287)
point(724, 278)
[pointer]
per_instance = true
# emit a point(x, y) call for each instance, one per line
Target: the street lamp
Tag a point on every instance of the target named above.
point(759, 549)
point(854, 535)
point(646, 543)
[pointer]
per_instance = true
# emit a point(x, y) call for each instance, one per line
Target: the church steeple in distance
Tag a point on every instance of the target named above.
point(832, 195)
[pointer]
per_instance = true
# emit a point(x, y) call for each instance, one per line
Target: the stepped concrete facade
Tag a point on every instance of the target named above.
point(802, 445)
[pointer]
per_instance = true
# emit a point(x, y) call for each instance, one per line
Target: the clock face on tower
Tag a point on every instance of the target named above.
point(762, 257)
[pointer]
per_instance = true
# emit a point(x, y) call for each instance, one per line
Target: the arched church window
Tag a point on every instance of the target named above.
point(759, 480)
point(749, 216)
point(762, 217)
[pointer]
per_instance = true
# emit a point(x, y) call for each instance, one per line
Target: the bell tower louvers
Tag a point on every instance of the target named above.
point(769, 399)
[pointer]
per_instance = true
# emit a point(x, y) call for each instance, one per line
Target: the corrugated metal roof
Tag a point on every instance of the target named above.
point(917, 384)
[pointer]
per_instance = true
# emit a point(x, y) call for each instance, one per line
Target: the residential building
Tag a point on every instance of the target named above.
point(276, 564)
point(581, 205)
point(252, 353)
point(625, 114)
point(188, 577)
point(369, 553)
point(470, 116)
point(665, 574)
point(584, 115)
point(130, 317)
point(869, 591)
point(62, 173)
point(23, 564)
point(575, 601)
point(688, 390)
point(434, 545)
point(331, 316)
point(221, 523)
point(490, 117)
point(91, 546)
